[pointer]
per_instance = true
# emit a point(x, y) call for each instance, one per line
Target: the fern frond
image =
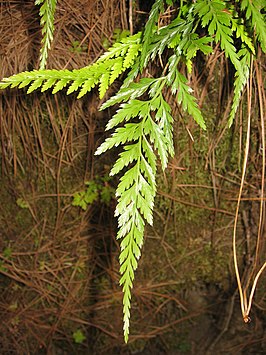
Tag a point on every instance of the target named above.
point(156, 9)
point(253, 12)
point(132, 74)
point(178, 84)
point(170, 36)
point(103, 72)
point(137, 188)
point(47, 11)
point(241, 33)
point(47, 77)
point(218, 19)
point(165, 122)
point(240, 82)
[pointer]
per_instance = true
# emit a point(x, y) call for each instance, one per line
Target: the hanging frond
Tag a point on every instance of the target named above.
point(253, 13)
point(137, 188)
point(47, 11)
point(240, 32)
point(218, 19)
point(156, 9)
point(240, 83)
point(179, 87)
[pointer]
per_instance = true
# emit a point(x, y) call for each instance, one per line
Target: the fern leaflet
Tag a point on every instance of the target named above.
point(47, 11)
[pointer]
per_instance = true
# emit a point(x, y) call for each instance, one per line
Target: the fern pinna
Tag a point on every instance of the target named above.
point(143, 127)
point(46, 12)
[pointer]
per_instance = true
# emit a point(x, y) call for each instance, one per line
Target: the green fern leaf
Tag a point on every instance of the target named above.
point(48, 84)
point(117, 69)
point(24, 83)
point(60, 85)
point(158, 139)
point(218, 19)
point(239, 29)
point(120, 49)
point(87, 85)
point(47, 11)
point(137, 187)
point(35, 85)
point(75, 85)
point(125, 113)
point(128, 156)
point(104, 84)
point(131, 54)
point(193, 44)
point(37, 78)
point(165, 122)
point(103, 72)
point(131, 131)
point(133, 73)
point(184, 96)
point(253, 12)
point(126, 180)
point(133, 91)
point(151, 159)
point(168, 36)
point(156, 9)
point(240, 82)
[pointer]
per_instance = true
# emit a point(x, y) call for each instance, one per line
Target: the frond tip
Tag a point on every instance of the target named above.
point(137, 188)
point(47, 11)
